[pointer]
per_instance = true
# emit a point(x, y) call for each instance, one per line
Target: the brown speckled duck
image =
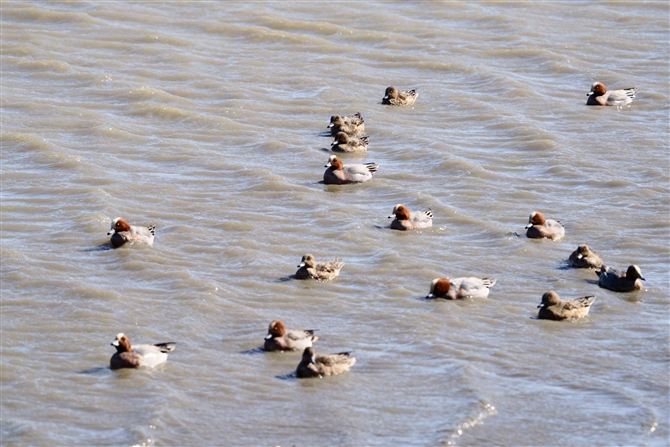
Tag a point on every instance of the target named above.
point(321, 271)
point(313, 365)
point(395, 97)
point(350, 125)
point(585, 258)
point(554, 308)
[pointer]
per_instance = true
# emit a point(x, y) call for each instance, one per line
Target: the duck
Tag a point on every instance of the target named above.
point(321, 271)
point(396, 97)
point(122, 232)
point(404, 220)
point(554, 308)
point(599, 96)
point(339, 174)
point(459, 288)
point(538, 227)
point(346, 143)
point(313, 365)
point(138, 355)
point(281, 339)
point(351, 125)
point(585, 258)
point(609, 278)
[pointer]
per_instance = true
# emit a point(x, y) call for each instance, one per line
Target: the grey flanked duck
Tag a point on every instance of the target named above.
point(339, 174)
point(135, 356)
point(281, 339)
point(612, 279)
point(122, 232)
point(538, 227)
point(459, 288)
point(599, 96)
point(405, 220)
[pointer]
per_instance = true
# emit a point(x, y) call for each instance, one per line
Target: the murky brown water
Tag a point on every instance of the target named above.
point(208, 120)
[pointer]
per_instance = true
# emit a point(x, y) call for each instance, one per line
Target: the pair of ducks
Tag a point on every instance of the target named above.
point(311, 365)
point(553, 308)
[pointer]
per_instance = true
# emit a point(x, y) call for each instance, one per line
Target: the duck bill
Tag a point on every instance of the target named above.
point(110, 232)
point(528, 226)
point(269, 336)
point(302, 264)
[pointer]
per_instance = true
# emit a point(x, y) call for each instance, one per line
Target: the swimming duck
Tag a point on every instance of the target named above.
point(122, 232)
point(321, 271)
point(281, 339)
point(313, 365)
point(339, 174)
point(404, 220)
point(554, 308)
point(458, 288)
point(396, 97)
point(585, 258)
point(138, 355)
point(345, 143)
point(610, 278)
point(351, 125)
point(599, 96)
point(538, 227)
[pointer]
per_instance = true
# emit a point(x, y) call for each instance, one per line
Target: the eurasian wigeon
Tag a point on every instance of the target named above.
point(404, 220)
point(396, 97)
point(313, 365)
point(339, 174)
point(599, 96)
point(321, 271)
point(538, 227)
point(610, 278)
point(585, 258)
point(281, 339)
point(138, 355)
point(123, 232)
point(458, 288)
point(554, 308)
point(352, 124)
point(346, 143)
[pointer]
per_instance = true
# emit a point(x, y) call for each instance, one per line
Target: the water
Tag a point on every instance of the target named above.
point(208, 120)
